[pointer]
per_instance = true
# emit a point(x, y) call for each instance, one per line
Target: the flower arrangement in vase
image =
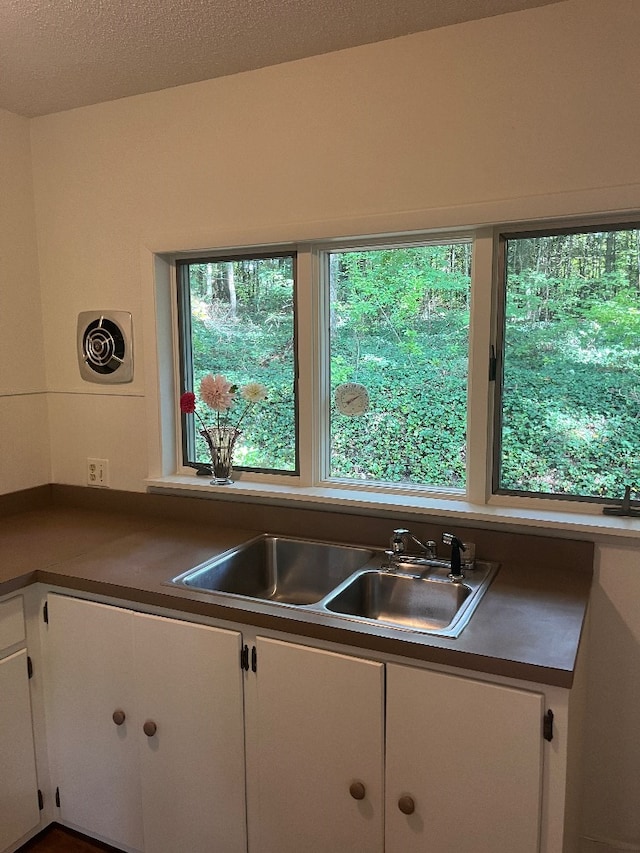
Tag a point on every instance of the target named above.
point(219, 395)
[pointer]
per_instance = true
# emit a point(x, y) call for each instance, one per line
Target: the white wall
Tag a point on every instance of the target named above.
point(612, 758)
point(24, 430)
point(526, 115)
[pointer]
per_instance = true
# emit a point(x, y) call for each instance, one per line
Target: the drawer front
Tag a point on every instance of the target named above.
point(11, 622)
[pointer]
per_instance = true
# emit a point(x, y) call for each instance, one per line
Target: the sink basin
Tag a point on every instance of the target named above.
point(403, 600)
point(279, 569)
point(433, 604)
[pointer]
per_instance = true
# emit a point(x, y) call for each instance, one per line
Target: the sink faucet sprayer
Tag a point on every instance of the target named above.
point(456, 561)
point(398, 547)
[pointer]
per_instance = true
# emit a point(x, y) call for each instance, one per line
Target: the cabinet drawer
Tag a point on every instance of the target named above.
point(11, 622)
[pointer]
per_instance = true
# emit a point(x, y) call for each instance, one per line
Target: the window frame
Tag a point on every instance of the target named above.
point(502, 237)
point(184, 369)
point(379, 243)
point(311, 487)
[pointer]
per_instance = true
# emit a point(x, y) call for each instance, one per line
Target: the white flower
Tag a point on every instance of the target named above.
point(254, 392)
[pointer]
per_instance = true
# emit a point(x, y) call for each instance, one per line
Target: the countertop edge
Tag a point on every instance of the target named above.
point(373, 641)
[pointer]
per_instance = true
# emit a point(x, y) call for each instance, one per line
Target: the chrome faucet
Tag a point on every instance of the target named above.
point(401, 537)
point(397, 553)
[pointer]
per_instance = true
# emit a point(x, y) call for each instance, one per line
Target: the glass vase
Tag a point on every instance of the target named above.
point(221, 442)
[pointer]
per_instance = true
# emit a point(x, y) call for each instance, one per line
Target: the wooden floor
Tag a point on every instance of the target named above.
point(57, 839)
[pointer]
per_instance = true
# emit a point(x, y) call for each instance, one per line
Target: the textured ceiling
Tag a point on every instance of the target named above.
point(60, 54)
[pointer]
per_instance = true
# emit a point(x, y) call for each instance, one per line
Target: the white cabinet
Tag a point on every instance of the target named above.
point(146, 728)
point(319, 751)
point(464, 759)
point(19, 812)
point(455, 767)
point(149, 716)
point(95, 762)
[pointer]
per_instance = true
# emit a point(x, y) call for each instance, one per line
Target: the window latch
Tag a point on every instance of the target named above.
point(624, 507)
point(493, 364)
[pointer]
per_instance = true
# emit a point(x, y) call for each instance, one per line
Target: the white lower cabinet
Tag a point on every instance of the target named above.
point(19, 812)
point(319, 750)
point(455, 768)
point(463, 765)
point(146, 728)
point(149, 716)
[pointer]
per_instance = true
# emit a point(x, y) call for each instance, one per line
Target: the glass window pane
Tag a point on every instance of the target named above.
point(571, 379)
point(399, 328)
point(238, 321)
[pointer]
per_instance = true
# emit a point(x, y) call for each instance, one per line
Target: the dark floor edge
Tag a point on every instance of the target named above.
point(71, 833)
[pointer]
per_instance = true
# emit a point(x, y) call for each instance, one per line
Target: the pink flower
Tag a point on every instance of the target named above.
point(216, 392)
point(188, 403)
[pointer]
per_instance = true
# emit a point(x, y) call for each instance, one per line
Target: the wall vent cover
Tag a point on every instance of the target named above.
point(105, 346)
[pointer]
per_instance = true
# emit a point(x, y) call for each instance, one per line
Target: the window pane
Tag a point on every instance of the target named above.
point(399, 327)
point(571, 383)
point(238, 321)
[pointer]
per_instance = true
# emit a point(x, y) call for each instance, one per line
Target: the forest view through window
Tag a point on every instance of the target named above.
point(570, 413)
point(237, 320)
point(399, 341)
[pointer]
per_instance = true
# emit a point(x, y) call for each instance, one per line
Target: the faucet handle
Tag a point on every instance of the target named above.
point(398, 540)
point(389, 562)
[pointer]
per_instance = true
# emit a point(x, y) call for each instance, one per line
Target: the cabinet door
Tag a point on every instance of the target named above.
point(319, 730)
point(95, 761)
point(189, 685)
point(469, 755)
point(19, 811)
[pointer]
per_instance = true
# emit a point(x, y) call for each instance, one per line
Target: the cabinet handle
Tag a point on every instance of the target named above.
point(357, 790)
point(149, 728)
point(118, 717)
point(406, 804)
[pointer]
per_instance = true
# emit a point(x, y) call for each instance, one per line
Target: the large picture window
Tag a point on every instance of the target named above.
point(237, 320)
point(388, 386)
point(569, 420)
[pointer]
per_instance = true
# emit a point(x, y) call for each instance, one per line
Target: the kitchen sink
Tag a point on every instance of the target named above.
point(279, 569)
point(346, 583)
point(410, 602)
point(428, 601)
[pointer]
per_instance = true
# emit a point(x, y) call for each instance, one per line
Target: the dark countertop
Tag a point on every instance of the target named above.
point(528, 625)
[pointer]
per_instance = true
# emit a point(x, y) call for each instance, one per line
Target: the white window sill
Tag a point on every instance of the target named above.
point(583, 525)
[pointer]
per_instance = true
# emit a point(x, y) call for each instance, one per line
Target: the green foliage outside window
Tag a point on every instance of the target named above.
point(571, 397)
point(400, 326)
point(242, 326)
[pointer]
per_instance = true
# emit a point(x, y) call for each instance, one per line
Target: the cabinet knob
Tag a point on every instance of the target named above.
point(357, 790)
point(118, 717)
point(149, 728)
point(406, 804)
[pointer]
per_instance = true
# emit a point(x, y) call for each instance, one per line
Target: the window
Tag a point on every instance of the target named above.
point(399, 332)
point(569, 420)
point(237, 319)
point(387, 387)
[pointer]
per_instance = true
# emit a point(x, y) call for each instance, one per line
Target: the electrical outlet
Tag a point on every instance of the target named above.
point(98, 473)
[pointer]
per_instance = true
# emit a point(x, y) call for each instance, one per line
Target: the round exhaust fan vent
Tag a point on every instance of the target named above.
point(105, 347)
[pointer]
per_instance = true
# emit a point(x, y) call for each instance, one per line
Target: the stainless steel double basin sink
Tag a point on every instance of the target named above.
point(348, 582)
